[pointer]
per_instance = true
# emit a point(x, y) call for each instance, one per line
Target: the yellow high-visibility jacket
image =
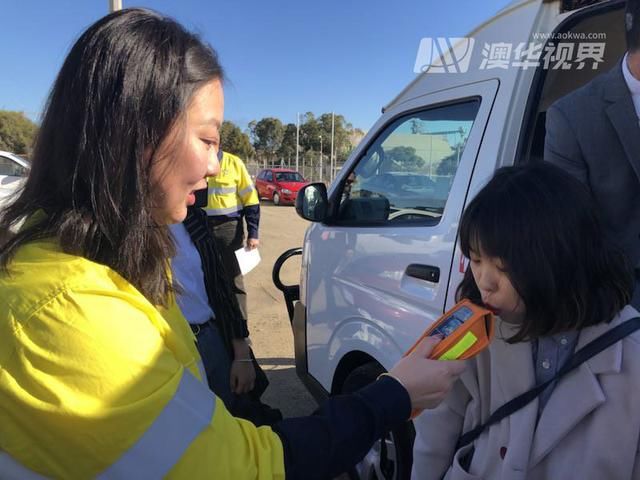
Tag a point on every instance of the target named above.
point(231, 193)
point(96, 382)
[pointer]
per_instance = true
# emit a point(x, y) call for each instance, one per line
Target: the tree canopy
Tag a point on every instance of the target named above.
point(275, 141)
point(234, 140)
point(17, 132)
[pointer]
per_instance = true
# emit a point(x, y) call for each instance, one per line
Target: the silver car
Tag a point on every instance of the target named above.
point(13, 171)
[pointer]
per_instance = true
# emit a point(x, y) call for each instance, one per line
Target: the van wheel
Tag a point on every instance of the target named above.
point(276, 198)
point(391, 457)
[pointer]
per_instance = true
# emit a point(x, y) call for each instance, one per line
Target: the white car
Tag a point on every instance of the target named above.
point(13, 171)
point(381, 260)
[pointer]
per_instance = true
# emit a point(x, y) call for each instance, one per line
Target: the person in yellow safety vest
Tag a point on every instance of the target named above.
point(99, 374)
point(231, 197)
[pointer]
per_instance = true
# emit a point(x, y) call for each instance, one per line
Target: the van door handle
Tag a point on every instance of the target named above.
point(424, 272)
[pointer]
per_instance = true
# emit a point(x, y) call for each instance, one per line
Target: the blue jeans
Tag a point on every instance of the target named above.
point(217, 364)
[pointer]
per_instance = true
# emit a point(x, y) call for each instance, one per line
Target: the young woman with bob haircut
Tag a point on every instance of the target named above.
point(540, 260)
point(99, 373)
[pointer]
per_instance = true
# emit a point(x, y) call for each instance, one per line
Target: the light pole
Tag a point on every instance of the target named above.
point(320, 157)
point(332, 160)
point(297, 138)
point(115, 5)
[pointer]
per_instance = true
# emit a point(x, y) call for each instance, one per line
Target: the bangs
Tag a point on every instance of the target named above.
point(495, 228)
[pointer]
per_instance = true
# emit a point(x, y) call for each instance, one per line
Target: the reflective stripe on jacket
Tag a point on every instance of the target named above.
point(97, 382)
point(232, 189)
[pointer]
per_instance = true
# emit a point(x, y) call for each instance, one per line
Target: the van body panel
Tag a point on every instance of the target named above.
point(358, 287)
point(513, 26)
point(357, 293)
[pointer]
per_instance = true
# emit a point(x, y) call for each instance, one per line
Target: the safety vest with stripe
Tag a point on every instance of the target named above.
point(232, 189)
point(97, 382)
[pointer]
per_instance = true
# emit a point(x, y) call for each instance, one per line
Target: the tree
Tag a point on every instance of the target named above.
point(268, 133)
point(273, 140)
point(449, 164)
point(355, 136)
point(341, 135)
point(287, 148)
point(234, 140)
point(310, 132)
point(17, 132)
point(405, 158)
point(251, 127)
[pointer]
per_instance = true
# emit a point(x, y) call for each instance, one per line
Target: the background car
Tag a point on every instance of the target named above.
point(13, 171)
point(280, 185)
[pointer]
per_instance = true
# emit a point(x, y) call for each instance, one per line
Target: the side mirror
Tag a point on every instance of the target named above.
point(312, 202)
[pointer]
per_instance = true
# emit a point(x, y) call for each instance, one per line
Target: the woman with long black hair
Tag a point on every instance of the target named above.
point(99, 375)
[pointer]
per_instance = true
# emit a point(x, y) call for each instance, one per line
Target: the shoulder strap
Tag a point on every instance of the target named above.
point(585, 353)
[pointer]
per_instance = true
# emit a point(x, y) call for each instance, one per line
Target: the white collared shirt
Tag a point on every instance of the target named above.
point(632, 83)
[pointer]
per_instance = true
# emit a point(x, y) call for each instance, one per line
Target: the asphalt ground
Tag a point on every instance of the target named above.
point(280, 229)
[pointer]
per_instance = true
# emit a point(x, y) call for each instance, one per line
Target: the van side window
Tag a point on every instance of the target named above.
point(268, 176)
point(406, 174)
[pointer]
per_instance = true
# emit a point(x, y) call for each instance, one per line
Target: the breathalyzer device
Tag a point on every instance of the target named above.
point(466, 329)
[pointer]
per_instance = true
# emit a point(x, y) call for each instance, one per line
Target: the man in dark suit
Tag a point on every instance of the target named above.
point(594, 134)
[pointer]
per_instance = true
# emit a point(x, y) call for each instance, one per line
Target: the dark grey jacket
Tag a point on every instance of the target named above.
point(593, 133)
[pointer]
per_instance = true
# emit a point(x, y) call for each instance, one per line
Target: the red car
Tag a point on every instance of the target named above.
point(280, 185)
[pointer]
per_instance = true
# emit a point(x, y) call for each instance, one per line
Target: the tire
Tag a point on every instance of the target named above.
point(392, 456)
point(276, 198)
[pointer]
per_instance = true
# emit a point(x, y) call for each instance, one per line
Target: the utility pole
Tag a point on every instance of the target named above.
point(115, 5)
point(320, 157)
point(297, 138)
point(332, 162)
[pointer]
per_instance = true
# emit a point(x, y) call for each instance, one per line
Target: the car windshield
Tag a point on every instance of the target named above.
point(289, 177)
point(11, 166)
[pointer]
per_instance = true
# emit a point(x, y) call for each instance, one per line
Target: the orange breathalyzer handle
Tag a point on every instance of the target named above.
point(467, 329)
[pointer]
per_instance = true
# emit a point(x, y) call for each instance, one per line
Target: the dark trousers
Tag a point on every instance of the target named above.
point(216, 361)
point(229, 237)
point(217, 366)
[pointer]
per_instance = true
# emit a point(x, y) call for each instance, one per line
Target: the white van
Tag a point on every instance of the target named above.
point(381, 260)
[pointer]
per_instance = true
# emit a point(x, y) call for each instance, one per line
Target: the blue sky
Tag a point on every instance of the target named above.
point(281, 56)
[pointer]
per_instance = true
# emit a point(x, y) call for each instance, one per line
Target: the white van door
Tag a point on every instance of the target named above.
point(381, 265)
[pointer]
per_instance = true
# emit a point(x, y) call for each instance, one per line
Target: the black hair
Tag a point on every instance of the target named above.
point(632, 25)
point(543, 225)
point(125, 83)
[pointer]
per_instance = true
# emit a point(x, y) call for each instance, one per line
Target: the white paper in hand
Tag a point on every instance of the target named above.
point(247, 259)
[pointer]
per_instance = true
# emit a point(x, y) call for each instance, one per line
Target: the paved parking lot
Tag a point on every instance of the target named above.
point(280, 229)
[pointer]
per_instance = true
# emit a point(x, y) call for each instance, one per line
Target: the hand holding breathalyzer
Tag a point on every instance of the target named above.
point(463, 331)
point(427, 381)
